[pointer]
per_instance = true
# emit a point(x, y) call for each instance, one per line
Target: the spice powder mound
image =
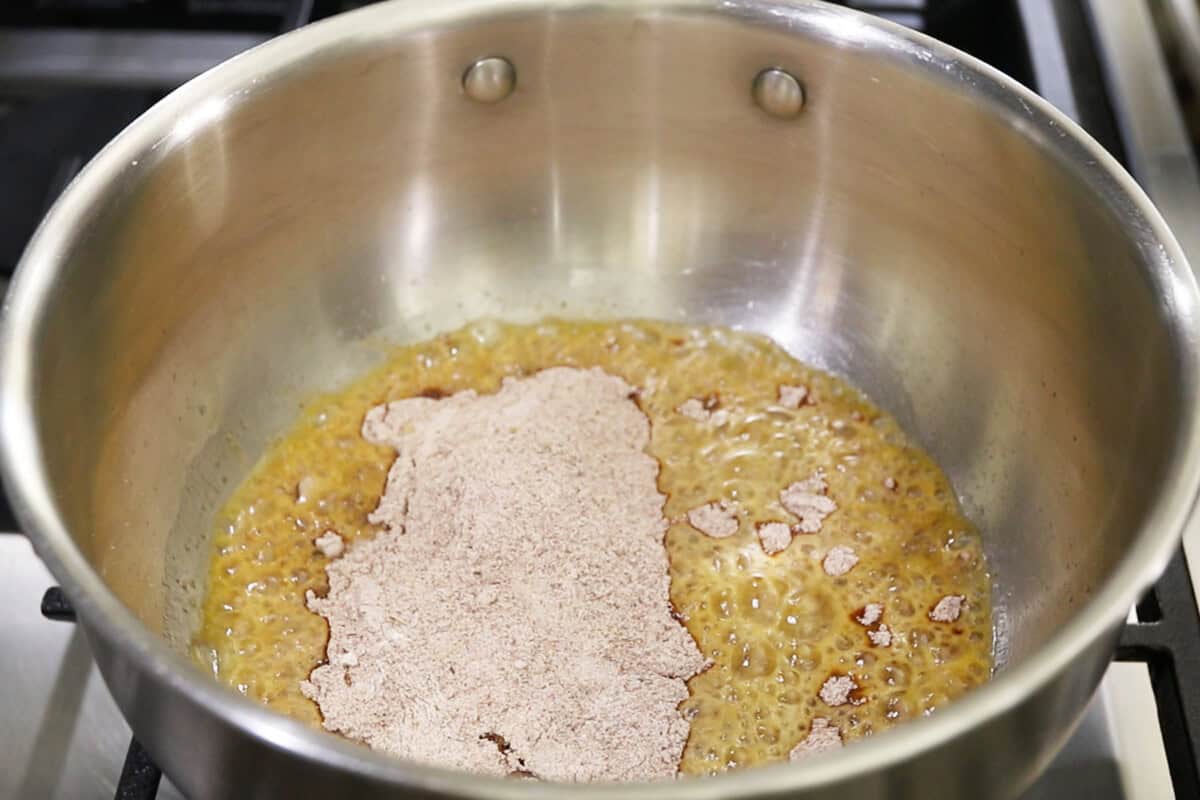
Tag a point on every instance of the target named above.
point(514, 615)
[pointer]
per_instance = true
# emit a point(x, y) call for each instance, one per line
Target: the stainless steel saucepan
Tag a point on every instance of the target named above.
point(885, 207)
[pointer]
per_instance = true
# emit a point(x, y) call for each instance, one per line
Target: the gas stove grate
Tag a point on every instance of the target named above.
point(1166, 638)
point(140, 776)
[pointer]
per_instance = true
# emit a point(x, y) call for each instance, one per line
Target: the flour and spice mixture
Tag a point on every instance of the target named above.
point(597, 551)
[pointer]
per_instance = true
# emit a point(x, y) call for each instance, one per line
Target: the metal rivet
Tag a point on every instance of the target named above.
point(778, 93)
point(489, 80)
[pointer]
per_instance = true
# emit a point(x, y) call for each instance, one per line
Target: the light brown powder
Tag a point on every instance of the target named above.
point(881, 637)
point(839, 560)
point(701, 411)
point(717, 520)
point(514, 615)
point(871, 613)
point(821, 737)
point(948, 608)
point(837, 689)
point(774, 537)
point(694, 409)
point(806, 499)
point(330, 544)
point(792, 396)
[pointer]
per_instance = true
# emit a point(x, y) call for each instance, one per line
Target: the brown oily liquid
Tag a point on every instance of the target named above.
point(775, 627)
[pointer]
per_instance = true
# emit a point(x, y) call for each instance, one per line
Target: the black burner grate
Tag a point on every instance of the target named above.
point(1167, 639)
point(140, 776)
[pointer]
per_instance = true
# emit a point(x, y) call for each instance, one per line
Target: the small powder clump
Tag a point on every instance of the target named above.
point(693, 409)
point(948, 608)
point(806, 499)
point(839, 560)
point(774, 537)
point(704, 411)
point(792, 396)
point(717, 520)
point(882, 637)
point(330, 544)
point(821, 737)
point(871, 613)
point(513, 617)
point(836, 690)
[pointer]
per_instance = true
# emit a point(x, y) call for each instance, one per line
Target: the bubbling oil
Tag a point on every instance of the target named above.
point(776, 628)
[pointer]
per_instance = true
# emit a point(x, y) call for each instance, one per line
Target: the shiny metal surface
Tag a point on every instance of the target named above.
point(490, 80)
point(778, 93)
point(927, 227)
point(1160, 149)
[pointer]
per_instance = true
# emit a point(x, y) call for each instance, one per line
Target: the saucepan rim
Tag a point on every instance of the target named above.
point(34, 285)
